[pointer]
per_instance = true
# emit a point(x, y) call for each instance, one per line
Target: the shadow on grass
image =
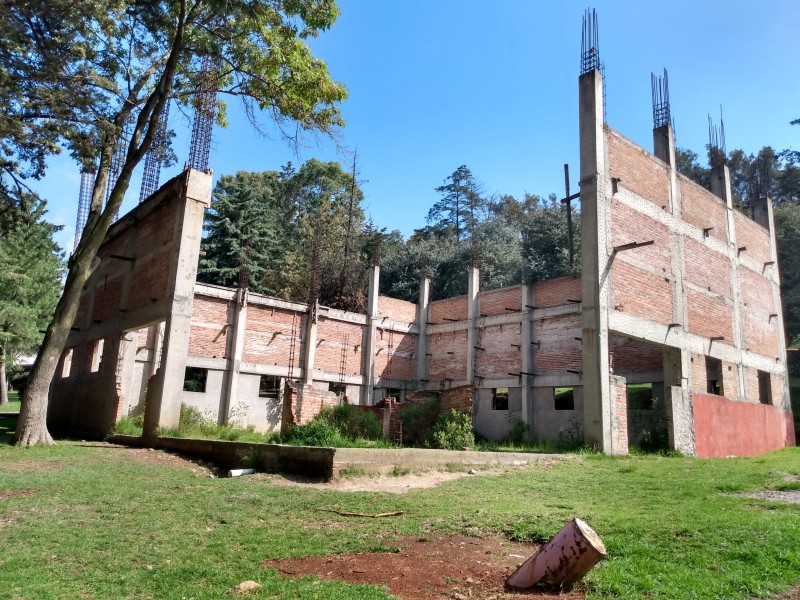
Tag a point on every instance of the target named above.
point(7, 427)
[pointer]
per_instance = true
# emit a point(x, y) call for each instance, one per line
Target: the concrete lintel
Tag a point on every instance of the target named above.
point(270, 302)
point(488, 383)
point(333, 314)
point(214, 291)
point(556, 311)
point(558, 380)
point(657, 333)
point(134, 320)
point(656, 376)
point(402, 384)
point(389, 325)
point(447, 327)
point(330, 377)
point(506, 319)
point(205, 362)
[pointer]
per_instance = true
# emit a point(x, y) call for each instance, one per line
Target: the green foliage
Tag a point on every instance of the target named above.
point(461, 207)
point(453, 431)
point(272, 222)
point(519, 433)
point(353, 421)
point(318, 432)
point(342, 426)
point(248, 225)
point(127, 426)
point(31, 266)
point(417, 419)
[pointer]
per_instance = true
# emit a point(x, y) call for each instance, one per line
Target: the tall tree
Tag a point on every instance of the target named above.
point(328, 205)
point(75, 74)
point(248, 230)
point(30, 272)
point(787, 231)
point(462, 205)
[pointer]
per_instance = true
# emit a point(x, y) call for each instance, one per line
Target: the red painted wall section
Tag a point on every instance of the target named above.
point(723, 427)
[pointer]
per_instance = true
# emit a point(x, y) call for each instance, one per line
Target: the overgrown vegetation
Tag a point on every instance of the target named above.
point(417, 419)
point(95, 522)
point(453, 431)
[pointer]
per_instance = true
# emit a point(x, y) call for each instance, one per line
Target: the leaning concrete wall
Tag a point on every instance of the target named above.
point(144, 263)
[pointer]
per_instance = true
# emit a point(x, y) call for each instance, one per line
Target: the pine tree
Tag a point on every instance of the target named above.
point(31, 266)
point(248, 231)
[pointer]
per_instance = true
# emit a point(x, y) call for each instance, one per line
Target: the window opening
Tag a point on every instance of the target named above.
point(194, 380)
point(500, 399)
point(564, 398)
point(97, 356)
point(269, 386)
point(714, 376)
point(393, 393)
point(764, 387)
point(640, 396)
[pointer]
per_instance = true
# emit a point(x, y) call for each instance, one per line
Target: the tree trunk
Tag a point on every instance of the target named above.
point(32, 424)
point(3, 382)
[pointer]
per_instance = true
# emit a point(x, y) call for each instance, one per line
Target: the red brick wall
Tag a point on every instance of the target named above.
point(451, 308)
point(558, 350)
point(628, 225)
point(556, 292)
point(753, 236)
point(707, 268)
point(724, 427)
point(108, 295)
point(703, 209)
point(305, 402)
point(150, 280)
point(332, 337)
point(268, 335)
point(458, 398)
point(730, 381)
point(641, 293)
point(208, 335)
point(710, 316)
point(756, 291)
point(448, 355)
point(760, 333)
point(501, 354)
point(632, 356)
point(496, 301)
point(637, 169)
point(394, 353)
point(397, 310)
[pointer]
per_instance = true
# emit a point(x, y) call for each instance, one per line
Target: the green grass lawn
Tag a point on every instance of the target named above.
point(78, 521)
point(13, 403)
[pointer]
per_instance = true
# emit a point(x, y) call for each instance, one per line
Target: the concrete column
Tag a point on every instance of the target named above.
point(310, 347)
point(473, 315)
point(526, 353)
point(371, 332)
point(421, 351)
point(164, 403)
point(678, 400)
point(235, 351)
point(595, 263)
point(721, 187)
point(763, 211)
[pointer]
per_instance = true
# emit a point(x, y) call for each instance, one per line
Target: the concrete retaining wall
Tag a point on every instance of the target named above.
point(275, 458)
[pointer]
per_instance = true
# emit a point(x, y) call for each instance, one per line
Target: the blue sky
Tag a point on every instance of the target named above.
point(440, 83)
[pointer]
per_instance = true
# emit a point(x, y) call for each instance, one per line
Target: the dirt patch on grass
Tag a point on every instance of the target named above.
point(791, 496)
point(427, 568)
point(399, 484)
point(14, 493)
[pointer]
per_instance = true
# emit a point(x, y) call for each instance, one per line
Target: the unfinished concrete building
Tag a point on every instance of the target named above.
point(678, 302)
